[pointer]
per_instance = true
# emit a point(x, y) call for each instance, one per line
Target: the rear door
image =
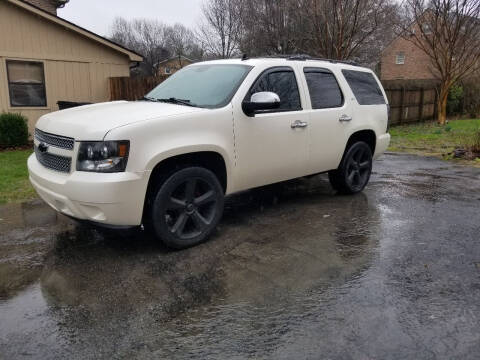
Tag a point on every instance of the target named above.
point(330, 117)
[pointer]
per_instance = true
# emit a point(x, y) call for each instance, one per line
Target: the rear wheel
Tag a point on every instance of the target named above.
point(354, 171)
point(187, 207)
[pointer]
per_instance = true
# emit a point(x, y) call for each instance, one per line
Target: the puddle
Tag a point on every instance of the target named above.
point(294, 271)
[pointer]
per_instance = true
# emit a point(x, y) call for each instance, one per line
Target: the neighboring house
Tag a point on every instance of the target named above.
point(45, 59)
point(401, 59)
point(173, 64)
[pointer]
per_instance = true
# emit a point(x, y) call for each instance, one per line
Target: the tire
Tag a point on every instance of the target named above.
point(187, 207)
point(354, 171)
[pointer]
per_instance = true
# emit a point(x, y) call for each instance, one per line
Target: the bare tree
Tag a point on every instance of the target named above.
point(340, 28)
point(121, 33)
point(221, 29)
point(448, 31)
point(370, 51)
point(181, 42)
point(147, 37)
point(271, 27)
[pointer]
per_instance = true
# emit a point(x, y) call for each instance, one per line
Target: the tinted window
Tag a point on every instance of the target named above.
point(323, 88)
point(282, 82)
point(364, 87)
point(26, 83)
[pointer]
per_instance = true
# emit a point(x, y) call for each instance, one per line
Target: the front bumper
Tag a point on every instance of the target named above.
point(382, 144)
point(111, 199)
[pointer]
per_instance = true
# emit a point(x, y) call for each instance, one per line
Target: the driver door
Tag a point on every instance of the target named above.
point(272, 145)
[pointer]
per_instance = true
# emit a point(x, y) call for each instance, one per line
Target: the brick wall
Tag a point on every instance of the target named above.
point(47, 5)
point(417, 64)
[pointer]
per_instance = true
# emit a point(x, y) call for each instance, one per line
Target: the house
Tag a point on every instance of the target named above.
point(403, 60)
point(45, 59)
point(173, 64)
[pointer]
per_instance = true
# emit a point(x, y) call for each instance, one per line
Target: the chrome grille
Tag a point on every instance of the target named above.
point(61, 142)
point(54, 162)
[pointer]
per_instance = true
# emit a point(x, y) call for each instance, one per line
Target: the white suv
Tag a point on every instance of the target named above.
point(212, 129)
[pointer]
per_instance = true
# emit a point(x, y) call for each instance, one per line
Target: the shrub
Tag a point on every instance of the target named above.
point(475, 144)
point(454, 100)
point(13, 130)
point(471, 94)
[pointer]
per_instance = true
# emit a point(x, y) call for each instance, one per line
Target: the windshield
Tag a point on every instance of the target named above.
point(209, 86)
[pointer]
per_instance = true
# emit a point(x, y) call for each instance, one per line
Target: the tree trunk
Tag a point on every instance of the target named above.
point(442, 105)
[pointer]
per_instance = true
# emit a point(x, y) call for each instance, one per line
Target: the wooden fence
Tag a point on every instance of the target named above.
point(409, 102)
point(126, 88)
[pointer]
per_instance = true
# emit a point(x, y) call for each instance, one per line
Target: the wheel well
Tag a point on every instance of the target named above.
point(207, 159)
point(367, 136)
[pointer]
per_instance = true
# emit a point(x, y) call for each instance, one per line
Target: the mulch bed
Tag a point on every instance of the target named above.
point(466, 154)
point(29, 146)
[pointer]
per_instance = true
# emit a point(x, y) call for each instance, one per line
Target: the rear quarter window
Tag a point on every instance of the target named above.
point(364, 87)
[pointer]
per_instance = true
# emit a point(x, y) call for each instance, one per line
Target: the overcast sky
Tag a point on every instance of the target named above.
point(97, 15)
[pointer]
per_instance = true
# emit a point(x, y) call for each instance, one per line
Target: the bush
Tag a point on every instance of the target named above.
point(13, 130)
point(471, 94)
point(454, 100)
point(475, 143)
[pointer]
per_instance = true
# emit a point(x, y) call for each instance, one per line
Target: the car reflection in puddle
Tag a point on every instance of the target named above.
point(275, 249)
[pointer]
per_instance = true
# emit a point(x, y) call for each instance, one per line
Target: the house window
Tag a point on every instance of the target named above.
point(168, 71)
point(26, 83)
point(400, 58)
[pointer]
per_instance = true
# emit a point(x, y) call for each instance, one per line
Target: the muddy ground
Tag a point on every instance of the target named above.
point(294, 272)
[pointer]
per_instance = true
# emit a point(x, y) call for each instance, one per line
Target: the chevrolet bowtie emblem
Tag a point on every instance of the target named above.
point(42, 147)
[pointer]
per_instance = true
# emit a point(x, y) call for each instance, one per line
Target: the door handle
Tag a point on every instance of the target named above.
point(345, 118)
point(299, 124)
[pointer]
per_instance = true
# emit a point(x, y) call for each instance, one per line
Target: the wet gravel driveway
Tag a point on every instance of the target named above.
point(294, 272)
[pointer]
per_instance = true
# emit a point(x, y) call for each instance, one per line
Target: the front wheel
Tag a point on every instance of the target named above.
point(187, 207)
point(354, 171)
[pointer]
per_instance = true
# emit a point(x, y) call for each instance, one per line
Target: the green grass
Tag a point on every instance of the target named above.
point(14, 183)
point(432, 139)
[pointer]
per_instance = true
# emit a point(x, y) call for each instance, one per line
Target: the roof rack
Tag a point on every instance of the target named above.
point(302, 57)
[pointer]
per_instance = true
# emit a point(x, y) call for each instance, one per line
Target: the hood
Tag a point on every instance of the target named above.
point(92, 122)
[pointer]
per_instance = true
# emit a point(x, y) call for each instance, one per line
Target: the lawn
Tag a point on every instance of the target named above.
point(14, 184)
point(432, 139)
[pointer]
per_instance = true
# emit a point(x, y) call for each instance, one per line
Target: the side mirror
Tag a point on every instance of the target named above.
point(264, 100)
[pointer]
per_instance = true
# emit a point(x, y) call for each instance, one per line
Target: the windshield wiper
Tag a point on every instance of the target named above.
point(173, 100)
point(146, 98)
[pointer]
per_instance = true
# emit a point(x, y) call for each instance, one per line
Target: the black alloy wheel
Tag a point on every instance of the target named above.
point(187, 207)
point(354, 172)
point(358, 168)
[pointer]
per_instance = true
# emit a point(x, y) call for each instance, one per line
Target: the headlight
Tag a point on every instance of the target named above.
point(103, 156)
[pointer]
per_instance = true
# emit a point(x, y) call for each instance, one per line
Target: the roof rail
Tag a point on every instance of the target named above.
point(303, 57)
